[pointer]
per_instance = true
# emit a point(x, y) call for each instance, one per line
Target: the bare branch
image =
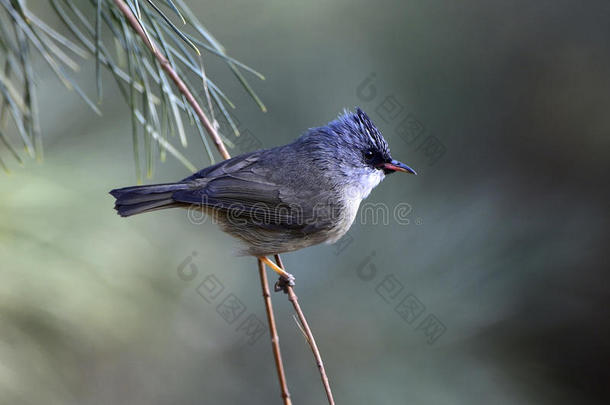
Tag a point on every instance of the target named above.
point(275, 339)
point(292, 297)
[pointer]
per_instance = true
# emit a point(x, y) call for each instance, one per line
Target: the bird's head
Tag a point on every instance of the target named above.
point(363, 144)
point(348, 152)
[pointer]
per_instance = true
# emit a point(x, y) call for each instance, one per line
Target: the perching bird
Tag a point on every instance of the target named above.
point(285, 198)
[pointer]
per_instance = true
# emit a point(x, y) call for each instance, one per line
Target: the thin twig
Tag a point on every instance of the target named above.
point(275, 339)
point(292, 297)
point(165, 65)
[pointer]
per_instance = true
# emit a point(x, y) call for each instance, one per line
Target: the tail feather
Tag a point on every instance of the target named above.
point(139, 199)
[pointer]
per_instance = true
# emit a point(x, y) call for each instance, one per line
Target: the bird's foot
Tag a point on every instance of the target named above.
point(284, 282)
point(286, 279)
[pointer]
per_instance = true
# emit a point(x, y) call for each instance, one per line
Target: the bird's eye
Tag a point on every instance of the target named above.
point(368, 155)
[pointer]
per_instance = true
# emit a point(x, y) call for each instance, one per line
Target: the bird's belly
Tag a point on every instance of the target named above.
point(261, 241)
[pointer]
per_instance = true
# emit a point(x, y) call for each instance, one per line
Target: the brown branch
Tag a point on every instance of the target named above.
point(292, 297)
point(133, 21)
point(275, 339)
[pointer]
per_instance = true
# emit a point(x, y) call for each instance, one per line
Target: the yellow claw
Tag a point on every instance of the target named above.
point(276, 268)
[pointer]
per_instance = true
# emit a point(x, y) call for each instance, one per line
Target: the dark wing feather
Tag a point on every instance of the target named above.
point(233, 165)
point(244, 191)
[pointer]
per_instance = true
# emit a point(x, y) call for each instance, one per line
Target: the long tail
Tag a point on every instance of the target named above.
point(138, 199)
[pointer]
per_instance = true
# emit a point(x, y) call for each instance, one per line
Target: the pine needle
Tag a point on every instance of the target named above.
point(155, 105)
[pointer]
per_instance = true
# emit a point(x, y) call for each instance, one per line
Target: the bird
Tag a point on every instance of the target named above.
point(284, 198)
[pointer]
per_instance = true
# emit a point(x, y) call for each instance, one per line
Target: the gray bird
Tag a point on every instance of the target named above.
point(285, 198)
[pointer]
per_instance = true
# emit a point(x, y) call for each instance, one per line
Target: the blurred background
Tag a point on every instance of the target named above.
point(492, 288)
